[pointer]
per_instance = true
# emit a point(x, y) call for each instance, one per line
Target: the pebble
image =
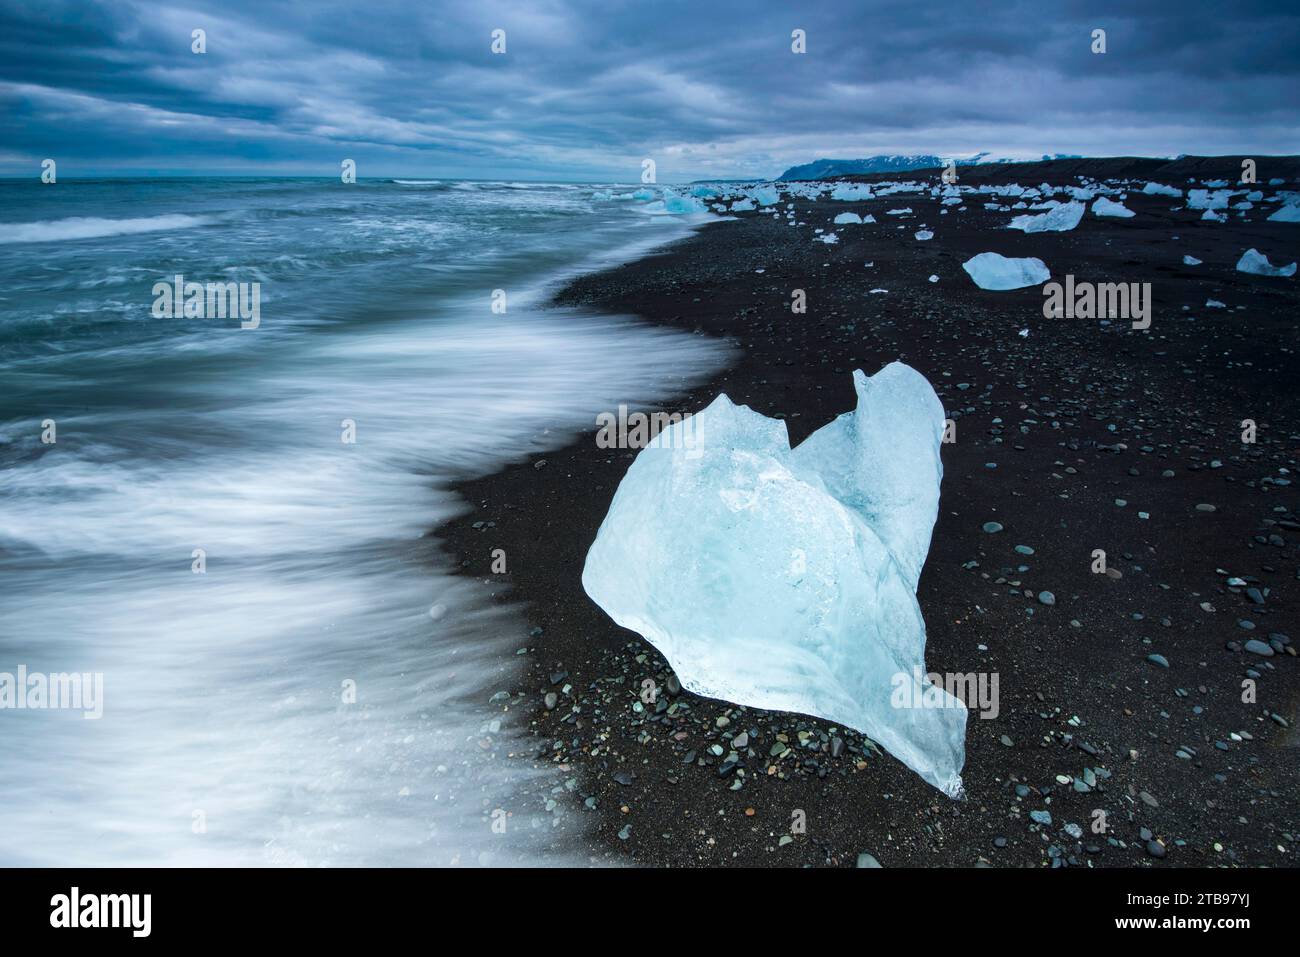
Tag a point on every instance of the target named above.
point(1260, 648)
point(1047, 598)
point(1160, 660)
point(992, 527)
point(867, 860)
point(1040, 817)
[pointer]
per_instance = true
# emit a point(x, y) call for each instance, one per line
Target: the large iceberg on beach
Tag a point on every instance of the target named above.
point(785, 579)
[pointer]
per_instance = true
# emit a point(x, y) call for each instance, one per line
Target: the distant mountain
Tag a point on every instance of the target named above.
point(826, 168)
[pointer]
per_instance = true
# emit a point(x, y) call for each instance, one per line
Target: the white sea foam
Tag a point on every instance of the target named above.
point(86, 227)
point(226, 739)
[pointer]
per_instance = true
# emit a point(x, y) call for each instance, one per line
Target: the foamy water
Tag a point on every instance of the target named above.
point(228, 735)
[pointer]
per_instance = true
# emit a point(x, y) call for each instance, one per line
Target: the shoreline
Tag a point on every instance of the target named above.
point(1067, 416)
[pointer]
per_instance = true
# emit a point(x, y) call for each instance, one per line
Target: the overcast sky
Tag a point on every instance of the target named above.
point(587, 90)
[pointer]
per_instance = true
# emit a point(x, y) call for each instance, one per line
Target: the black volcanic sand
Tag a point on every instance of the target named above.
point(1080, 436)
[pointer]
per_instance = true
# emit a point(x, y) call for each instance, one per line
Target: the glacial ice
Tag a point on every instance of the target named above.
point(1108, 207)
point(1062, 218)
point(851, 192)
point(994, 271)
point(1159, 189)
point(844, 219)
point(1256, 263)
point(678, 205)
point(1290, 213)
point(1206, 199)
point(786, 579)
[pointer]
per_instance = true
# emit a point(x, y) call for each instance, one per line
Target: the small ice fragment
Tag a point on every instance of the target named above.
point(684, 204)
point(993, 271)
point(1256, 263)
point(1191, 261)
point(1058, 220)
point(851, 192)
point(924, 234)
point(844, 219)
point(1105, 207)
point(1208, 199)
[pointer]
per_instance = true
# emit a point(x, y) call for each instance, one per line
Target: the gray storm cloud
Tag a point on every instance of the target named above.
point(586, 90)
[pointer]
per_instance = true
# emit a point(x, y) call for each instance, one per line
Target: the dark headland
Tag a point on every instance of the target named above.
point(1124, 695)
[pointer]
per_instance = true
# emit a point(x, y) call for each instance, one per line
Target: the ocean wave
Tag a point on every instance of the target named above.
point(89, 227)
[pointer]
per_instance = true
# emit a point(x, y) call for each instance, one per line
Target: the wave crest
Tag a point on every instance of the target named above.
point(90, 227)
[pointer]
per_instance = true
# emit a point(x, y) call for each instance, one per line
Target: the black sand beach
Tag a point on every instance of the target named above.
point(1079, 436)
